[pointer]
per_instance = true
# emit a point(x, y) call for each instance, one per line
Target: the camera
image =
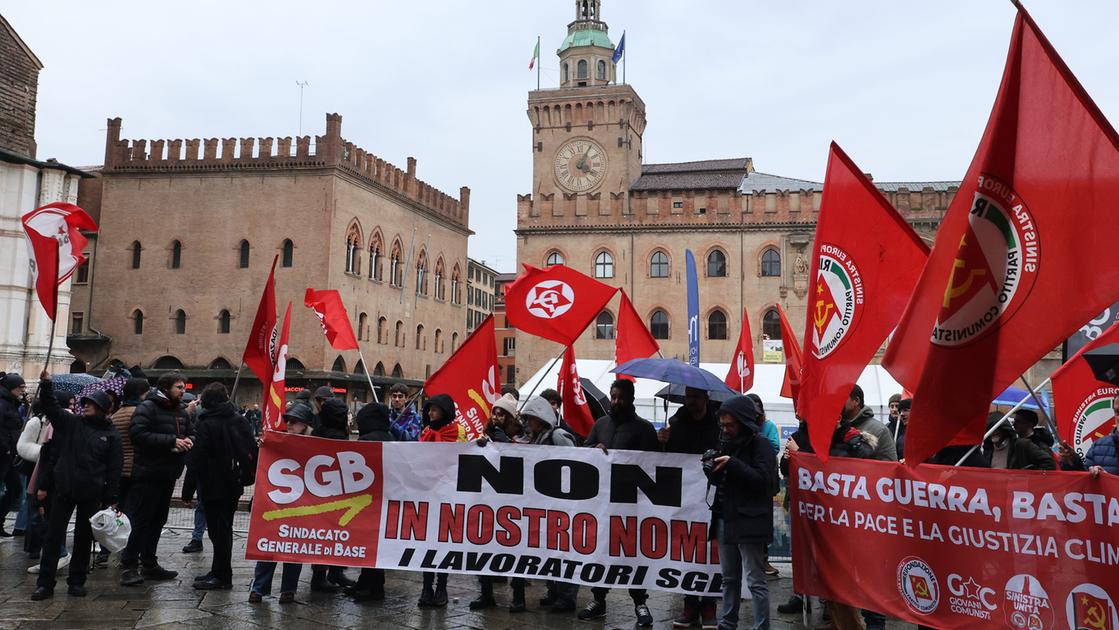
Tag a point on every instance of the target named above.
point(708, 459)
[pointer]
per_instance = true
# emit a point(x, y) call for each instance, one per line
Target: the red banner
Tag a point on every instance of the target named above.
point(740, 376)
point(1082, 403)
point(790, 387)
point(316, 499)
point(54, 232)
point(634, 341)
point(576, 411)
point(328, 308)
point(555, 303)
point(958, 547)
point(470, 378)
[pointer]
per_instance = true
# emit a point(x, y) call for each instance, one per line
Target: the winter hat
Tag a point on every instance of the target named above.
point(324, 392)
point(446, 404)
point(538, 407)
point(99, 398)
point(299, 413)
point(507, 403)
point(372, 417)
point(12, 380)
point(304, 394)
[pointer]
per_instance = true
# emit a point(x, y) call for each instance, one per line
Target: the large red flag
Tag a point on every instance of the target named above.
point(740, 376)
point(327, 306)
point(1082, 403)
point(470, 378)
point(576, 411)
point(790, 387)
point(54, 234)
point(274, 401)
point(1021, 259)
point(260, 349)
point(864, 266)
point(633, 341)
point(555, 303)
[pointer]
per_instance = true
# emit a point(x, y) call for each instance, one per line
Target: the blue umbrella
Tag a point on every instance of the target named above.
point(675, 372)
point(675, 394)
point(1012, 396)
point(72, 383)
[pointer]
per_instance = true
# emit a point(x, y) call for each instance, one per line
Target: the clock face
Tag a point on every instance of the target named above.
point(580, 164)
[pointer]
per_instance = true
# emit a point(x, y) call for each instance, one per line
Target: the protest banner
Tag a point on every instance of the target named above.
point(956, 547)
point(626, 519)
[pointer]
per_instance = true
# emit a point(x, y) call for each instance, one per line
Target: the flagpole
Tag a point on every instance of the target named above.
point(998, 424)
point(538, 63)
point(404, 278)
point(624, 55)
point(236, 381)
point(365, 368)
point(1044, 411)
point(541, 379)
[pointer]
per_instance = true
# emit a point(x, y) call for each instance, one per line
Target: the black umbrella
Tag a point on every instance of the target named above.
point(598, 402)
point(675, 394)
point(1104, 362)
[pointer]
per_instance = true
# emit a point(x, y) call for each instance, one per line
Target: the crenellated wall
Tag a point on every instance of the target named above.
point(329, 150)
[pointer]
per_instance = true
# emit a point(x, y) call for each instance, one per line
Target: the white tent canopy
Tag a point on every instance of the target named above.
point(877, 386)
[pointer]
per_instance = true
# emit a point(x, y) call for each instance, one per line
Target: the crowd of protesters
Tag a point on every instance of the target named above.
point(127, 451)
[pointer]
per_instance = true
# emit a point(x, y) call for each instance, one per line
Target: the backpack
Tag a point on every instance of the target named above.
point(242, 473)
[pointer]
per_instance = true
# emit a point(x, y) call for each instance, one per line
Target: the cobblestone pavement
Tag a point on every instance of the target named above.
point(175, 604)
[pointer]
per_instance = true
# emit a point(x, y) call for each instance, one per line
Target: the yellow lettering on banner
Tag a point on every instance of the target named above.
point(353, 506)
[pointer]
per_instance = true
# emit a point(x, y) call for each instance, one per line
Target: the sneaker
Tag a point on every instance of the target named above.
point(644, 617)
point(194, 546)
point(792, 607)
point(158, 573)
point(593, 610)
point(687, 619)
point(708, 620)
point(4, 533)
point(76, 590)
point(131, 577)
point(18, 532)
point(771, 571)
point(63, 562)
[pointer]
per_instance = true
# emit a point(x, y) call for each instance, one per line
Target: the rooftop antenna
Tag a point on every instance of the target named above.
point(301, 84)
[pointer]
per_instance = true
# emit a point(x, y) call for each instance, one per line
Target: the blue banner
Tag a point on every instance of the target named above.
point(693, 310)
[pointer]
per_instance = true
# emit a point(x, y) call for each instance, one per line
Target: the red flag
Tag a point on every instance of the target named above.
point(261, 346)
point(790, 387)
point(556, 303)
point(327, 306)
point(634, 341)
point(274, 401)
point(470, 377)
point(56, 241)
point(1021, 257)
point(576, 411)
point(864, 266)
point(1082, 403)
point(740, 376)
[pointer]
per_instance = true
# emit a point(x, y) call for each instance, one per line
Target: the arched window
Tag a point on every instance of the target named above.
point(771, 325)
point(375, 247)
point(600, 73)
point(221, 364)
point(581, 69)
point(287, 257)
point(771, 263)
point(382, 330)
point(421, 342)
point(379, 369)
point(566, 73)
point(176, 254)
point(440, 285)
point(397, 371)
point(396, 271)
point(167, 363)
point(554, 258)
point(658, 265)
point(294, 365)
point(658, 324)
point(716, 264)
point(604, 326)
point(180, 322)
point(604, 265)
point(455, 277)
point(717, 325)
point(359, 367)
point(136, 249)
point(137, 322)
point(243, 257)
point(339, 365)
point(454, 341)
point(362, 322)
point(223, 322)
point(421, 274)
point(399, 340)
point(438, 340)
point(353, 249)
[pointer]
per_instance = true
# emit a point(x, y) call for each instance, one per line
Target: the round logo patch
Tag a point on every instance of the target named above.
point(917, 584)
point(1093, 419)
point(837, 305)
point(549, 299)
point(1089, 606)
point(996, 264)
point(1027, 605)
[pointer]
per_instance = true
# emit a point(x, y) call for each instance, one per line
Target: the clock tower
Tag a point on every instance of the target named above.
point(586, 134)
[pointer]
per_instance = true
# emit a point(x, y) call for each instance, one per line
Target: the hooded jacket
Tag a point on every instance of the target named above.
point(333, 420)
point(224, 451)
point(623, 428)
point(10, 423)
point(156, 424)
point(446, 429)
point(87, 452)
point(541, 409)
point(373, 424)
point(885, 449)
point(746, 485)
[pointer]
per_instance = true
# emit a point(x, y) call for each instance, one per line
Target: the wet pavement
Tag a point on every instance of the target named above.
point(175, 604)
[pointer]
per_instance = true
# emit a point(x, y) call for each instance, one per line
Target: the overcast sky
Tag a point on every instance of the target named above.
point(904, 87)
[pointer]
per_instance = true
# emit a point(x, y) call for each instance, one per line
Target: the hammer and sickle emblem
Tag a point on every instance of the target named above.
point(823, 311)
point(921, 589)
point(1094, 617)
point(953, 290)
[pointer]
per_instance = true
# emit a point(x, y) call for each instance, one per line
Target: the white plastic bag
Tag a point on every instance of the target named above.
point(111, 529)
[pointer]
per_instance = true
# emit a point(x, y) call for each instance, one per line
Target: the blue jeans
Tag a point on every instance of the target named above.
point(731, 559)
point(262, 577)
point(24, 513)
point(199, 522)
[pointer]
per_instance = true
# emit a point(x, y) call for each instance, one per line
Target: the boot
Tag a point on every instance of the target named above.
point(320, 583)
point(485, 598)
point(427, 595)
point(440, 591)
point(792, 607)
point(518, 604)
point(337, 575)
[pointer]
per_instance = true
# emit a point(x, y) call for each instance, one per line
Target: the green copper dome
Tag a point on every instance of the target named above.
point(586, 37)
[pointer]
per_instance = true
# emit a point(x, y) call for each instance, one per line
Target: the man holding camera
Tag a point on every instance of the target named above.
point(744, 473)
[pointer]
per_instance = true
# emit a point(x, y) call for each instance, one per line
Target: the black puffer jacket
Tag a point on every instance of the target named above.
point(623, 428)
point(155, 426)
point(686, 435)
point(373, 423)
point(10, 423)
point(333, 418)
point(224, 450)
point(745, 487)
point(86, 450)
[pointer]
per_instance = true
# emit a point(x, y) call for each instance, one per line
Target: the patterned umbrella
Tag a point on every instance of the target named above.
point(72, 383)
point(115, 385)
